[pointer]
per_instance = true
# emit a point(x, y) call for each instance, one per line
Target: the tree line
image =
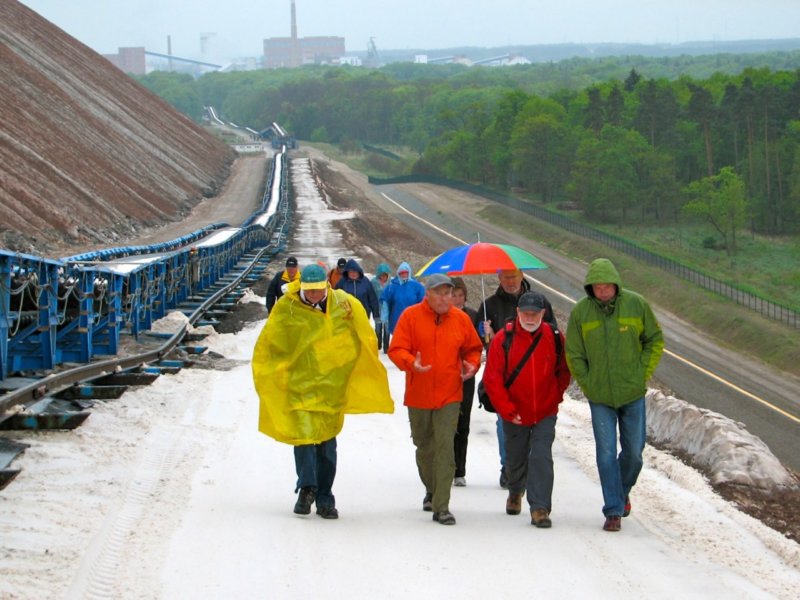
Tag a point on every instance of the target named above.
point(725, 149)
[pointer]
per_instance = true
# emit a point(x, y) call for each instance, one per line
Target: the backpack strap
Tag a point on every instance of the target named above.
point(557, 340)
point(523, 360)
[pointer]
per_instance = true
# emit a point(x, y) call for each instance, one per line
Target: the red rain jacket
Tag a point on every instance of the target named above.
point(539, 387)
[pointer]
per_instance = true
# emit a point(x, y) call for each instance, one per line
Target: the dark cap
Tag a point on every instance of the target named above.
point(532, 301)
point(341, 262)
point(291, 261)
point(436, 280)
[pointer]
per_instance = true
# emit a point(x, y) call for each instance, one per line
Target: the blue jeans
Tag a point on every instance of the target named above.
point(618, 474)
point(501, 441)
point(316, 468)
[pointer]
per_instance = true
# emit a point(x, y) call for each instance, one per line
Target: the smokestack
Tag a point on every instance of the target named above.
point(296, 57)
point(294, 23)
point(169, 53)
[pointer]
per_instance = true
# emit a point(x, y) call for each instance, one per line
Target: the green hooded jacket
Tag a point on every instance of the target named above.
point(613, 347)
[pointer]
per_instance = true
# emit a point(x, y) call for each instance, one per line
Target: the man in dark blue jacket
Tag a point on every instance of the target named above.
point(276, 286)
point(356, 284)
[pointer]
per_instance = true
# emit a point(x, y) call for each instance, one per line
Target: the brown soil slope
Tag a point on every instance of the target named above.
point(87, 155)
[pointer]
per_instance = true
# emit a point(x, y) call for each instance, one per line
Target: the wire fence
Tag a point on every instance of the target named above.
point(754, 302)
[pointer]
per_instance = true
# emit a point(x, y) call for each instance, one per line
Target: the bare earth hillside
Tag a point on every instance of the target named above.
point(88, 156)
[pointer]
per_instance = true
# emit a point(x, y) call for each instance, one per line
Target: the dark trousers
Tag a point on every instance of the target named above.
point(529, 460)
point(382, 332)
point(316, 468)
point(462, 429)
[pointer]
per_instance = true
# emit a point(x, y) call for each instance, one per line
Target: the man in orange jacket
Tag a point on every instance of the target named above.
point(438, 348)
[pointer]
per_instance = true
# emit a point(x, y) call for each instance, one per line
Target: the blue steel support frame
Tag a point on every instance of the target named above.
point(34, 346)
point(5, 311)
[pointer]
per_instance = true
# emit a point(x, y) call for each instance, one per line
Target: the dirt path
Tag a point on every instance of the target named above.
point(237, 201)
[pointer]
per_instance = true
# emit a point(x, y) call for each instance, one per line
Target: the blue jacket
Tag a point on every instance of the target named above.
point(361, 288)
point(400, 294)
point(379, 287)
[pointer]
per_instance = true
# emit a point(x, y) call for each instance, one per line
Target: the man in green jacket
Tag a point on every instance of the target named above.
point(614, 343)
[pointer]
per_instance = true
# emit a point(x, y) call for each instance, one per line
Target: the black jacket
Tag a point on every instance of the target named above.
point(502, 306)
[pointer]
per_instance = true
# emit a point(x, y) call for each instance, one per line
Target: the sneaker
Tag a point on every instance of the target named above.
point(540, 517)
point(513, 504)
point(444, 518)
point(304, 501)
point(427, 502)
point(327, 512)
point(627, 510)
point(613, 523)
point(503, 478)
point(459, 482)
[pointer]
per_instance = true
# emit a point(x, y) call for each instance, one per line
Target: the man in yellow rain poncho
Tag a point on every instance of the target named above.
point(315, 360)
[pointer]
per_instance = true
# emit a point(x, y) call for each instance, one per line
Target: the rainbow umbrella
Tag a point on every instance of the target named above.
point(481, 258)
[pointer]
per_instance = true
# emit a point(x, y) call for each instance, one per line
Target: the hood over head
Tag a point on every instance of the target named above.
point(404, 266)
point(383, 268)
point(352, 265)
point(601, 270)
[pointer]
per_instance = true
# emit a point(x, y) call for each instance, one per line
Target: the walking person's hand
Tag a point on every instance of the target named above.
point(467, 370)
point(418, 366)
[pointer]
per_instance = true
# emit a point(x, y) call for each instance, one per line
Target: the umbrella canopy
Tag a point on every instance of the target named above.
point(481, 258)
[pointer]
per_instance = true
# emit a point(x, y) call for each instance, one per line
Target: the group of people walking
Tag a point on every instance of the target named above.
point(316, 361)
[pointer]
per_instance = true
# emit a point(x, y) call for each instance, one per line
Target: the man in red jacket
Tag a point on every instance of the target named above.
point(526, 386)
point(437, 346)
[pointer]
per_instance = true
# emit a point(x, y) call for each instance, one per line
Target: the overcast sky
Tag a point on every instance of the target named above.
point(239, 26)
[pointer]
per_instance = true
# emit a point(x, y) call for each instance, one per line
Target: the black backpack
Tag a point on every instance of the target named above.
point(483, 397)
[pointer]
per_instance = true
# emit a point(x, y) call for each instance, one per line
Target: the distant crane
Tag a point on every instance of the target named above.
point(373, 59)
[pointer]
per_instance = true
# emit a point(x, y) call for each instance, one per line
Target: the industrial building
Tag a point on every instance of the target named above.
point(294, 51)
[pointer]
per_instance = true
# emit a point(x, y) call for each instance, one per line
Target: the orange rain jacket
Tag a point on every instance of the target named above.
point(444, 341)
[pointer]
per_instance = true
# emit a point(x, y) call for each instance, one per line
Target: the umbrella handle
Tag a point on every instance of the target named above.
point(486, 337)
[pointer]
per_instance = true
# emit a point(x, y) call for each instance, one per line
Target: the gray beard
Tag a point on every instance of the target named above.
point(530, 328)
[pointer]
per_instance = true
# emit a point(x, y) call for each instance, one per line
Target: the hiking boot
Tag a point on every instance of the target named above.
point(627, 510)
point(503, 478)
point(444, 518)
point(459, 481)
point(514, 504)
point(327, 512)
point(613, 523)
point(427, 502)
point(304, 501)
point(540, 517)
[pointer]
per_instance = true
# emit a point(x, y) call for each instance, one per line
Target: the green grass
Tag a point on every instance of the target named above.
point(768, 267)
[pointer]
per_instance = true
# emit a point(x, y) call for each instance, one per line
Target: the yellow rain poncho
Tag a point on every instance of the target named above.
point(310, 368)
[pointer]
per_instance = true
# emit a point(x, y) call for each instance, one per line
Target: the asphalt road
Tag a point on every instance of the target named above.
point(694, 367)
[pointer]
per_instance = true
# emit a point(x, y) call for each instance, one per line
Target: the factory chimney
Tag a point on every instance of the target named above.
point(296, 55)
